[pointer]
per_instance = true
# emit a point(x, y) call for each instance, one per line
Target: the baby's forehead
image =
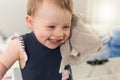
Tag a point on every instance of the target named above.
point(48, 3)
point(52, 10)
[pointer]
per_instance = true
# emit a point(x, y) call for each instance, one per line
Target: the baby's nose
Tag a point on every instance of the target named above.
point(59, 33)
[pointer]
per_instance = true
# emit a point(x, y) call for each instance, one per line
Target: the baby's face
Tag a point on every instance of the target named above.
point(51, 25)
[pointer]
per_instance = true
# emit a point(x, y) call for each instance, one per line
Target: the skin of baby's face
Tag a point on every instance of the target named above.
point(50, 24)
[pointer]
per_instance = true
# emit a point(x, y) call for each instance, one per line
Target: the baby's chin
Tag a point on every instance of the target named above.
point(52, 47)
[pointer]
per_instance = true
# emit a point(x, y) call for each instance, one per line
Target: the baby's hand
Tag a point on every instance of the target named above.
point(65, 75)
point(100, 47)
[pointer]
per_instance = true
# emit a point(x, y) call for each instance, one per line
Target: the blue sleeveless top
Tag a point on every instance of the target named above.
point(43, 63)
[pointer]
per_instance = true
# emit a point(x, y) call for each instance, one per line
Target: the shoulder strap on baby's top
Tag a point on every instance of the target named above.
point(23, 55)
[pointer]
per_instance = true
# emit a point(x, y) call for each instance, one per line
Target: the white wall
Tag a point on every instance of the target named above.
point(80, 7)
point(12, 16)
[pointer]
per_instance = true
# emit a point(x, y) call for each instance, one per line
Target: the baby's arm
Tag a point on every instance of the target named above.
point(9, 57)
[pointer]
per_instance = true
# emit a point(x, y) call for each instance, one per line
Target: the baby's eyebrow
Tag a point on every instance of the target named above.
point(68, 23)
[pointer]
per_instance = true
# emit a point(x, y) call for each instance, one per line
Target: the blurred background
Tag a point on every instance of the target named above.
point(102, 15)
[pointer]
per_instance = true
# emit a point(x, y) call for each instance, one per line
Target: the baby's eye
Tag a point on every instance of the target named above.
point(66, 27)
point(51, 27)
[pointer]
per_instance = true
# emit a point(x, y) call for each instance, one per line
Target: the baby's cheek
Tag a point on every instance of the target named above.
point(44, 35)
point(67, 36)
point(42, 38)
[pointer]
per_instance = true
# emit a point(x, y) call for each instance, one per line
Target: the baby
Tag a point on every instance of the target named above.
point(39, 51)
point(44, 53)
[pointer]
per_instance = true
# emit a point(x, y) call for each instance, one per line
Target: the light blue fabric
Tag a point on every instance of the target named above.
point(115, 43)
point(102, 54)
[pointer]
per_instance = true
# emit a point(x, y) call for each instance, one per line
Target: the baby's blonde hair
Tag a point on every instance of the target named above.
point(33, 5)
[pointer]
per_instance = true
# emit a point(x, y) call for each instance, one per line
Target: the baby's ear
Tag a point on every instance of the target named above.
point(29, 21)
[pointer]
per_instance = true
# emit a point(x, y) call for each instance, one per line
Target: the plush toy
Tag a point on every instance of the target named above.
point(83, 42)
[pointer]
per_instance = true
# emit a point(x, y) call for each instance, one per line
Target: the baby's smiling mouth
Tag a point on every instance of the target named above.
point(55, 41)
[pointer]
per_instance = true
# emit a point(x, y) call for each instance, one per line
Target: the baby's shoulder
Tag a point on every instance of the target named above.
point(18, 42)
